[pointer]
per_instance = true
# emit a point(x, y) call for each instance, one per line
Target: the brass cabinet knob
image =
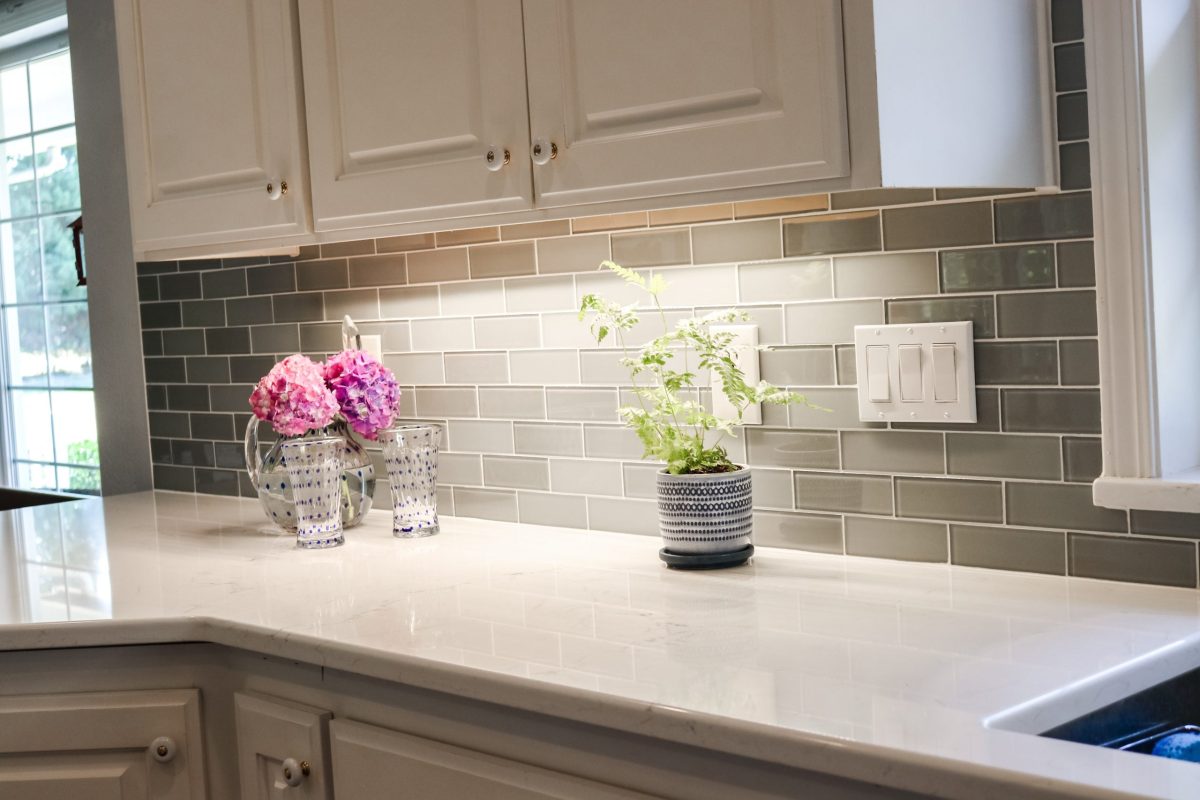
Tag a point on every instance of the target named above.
point(496, 158)
point(543, 151)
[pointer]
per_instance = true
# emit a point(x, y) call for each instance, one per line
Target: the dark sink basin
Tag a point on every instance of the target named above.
point(19, 498)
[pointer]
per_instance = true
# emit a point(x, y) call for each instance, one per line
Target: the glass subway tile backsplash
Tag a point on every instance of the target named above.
point(480, 327)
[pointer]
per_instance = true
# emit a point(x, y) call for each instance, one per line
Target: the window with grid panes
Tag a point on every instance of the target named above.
point(50, 417)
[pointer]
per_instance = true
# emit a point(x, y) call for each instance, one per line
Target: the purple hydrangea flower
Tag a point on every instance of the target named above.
point(365, 390)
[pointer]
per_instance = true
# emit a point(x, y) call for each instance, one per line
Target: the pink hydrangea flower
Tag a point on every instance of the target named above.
point(365, 390)
point(293, 397)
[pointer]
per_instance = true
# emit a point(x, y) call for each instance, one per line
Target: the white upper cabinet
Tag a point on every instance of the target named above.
point(405, 99)
point(644, 99)
point(212, 117)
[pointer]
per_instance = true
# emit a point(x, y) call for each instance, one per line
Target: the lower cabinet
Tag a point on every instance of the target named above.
point(140, 745)
point(283, 749)
point(371, 762)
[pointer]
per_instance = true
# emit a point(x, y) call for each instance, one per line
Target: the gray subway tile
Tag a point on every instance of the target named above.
point(652, 248)
point(699, 286)
point(979, 310)
point(152, 343)
point(229, 398)
point(434, 266)
point(801, 449)
point(248, 369)
point(547, 367)
point(847, 367)
point(496, 504)
point(932, 498)
point(1052, 410)
point(218, 481)
point(166, 423)
point(1066, 20)
point(481, 436)
point(772, 488)
point(322, 274)
point(249, 311)
point(1074, 166)
point(876, 198)
point(839, 491)
point(321, 337)
point(472, 297)
point(623, 515)
point(512, 402)
point(516, 472)
point(1047, 314)
point(165, 370)
point(275, 338)
point(354, 248)
point(548, 439)
point(225, 283)
point(508, 332)
point(308, 307)
point(585, 476)
point(536, 230)
point(610, 222)
point(690, 214)
point(1029, 363)
point(905, 540)
point(847, 232)
point(208, 369)
point(1083, 458)
point(160, 315)
point(156, 397)
point(176, 479)
point(541, 293)
point(640, 479)
point(893, 451)
point(1060, 505)
point(180, 286)
point(837, 407)
point(987, 410)
point(273, 279)
point(443, 334)
point(360, 304)
point(885, 275)
point(203, 313)
point(156, 267)
point(729, 242)
point(811, 279)
point(212, 426)
point(985, 268)
point(1009, 548)
point(500, 260)
point(1053, 216)
point(572, 253)
point(417, 368)
point(1076, 264)
point(412, 301)
point(1080, 362)
point(147, 286)
point(943, 225)
point(1165, 523)
point(816, 533)
point(1072, 116)
point(1004, 456)
point(797, 366)
point(1120, 558)
point(581, 404)
point(446, 401)
point(829, 323)
point(468, 236)
point(460, 469)
point(562, 510)
point(611, 441)
point(381, 270)
point(187, 398)
point(227, 341)
point(476, 368)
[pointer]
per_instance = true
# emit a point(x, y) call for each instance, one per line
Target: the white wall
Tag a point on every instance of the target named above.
point(121, 419)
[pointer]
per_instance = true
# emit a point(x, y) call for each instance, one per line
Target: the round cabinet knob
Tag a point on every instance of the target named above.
point(542, 151)
point(276, 189)
point(294, 771)
point(496, 158)
point(163, 749)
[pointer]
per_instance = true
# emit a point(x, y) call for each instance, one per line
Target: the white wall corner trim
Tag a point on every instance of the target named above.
point(1135, 412)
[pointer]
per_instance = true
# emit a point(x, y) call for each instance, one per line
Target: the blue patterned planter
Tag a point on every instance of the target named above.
point(705, 513)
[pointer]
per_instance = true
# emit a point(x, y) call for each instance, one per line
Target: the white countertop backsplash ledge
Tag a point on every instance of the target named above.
point(875, 670)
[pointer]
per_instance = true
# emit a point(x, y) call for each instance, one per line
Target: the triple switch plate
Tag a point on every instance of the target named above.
point(919, 372)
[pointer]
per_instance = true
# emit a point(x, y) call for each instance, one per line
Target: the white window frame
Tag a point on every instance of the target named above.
point(1135, 415)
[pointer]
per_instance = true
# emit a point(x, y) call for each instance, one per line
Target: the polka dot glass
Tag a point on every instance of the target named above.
point(411, 455)
point(314, 466)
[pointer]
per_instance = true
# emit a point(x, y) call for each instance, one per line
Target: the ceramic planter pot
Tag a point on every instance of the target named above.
point(702, 515)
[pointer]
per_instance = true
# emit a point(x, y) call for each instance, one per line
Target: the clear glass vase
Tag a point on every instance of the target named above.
point(411, 455)
point(314, 467)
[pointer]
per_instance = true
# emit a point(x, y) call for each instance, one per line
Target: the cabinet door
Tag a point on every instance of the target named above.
point(211, 107)
point(370, 762)
point(99, 746)
point(403, 101)
point(275, 736)
point(644, 99)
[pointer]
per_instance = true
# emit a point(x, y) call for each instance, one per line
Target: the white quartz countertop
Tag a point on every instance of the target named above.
point(874, 670)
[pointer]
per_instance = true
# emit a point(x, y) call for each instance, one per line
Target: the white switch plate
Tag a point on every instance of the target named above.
point(940, 382)
point(745, 343)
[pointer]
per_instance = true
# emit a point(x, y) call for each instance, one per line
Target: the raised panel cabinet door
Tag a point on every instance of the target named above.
point(283, 749)
point(212, 114)
point(404, 100)
point(370, 763)
point(102, 745)
point(644, 99)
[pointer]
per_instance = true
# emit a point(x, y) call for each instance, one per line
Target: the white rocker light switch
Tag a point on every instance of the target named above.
point(917, 372)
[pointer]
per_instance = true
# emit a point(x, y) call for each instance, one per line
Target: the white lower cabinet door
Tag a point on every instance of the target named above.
point(371, 763)
point(283, 749)
point(142, 745)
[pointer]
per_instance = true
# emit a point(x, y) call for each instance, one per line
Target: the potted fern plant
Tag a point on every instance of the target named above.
point(704, 498)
